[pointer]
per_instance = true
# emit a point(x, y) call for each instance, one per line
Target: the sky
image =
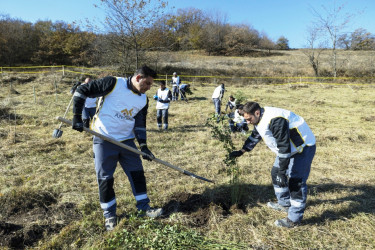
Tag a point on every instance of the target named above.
point(275, 18)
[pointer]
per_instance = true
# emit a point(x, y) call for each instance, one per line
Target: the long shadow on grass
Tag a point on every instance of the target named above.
point(197, 98)
point(219, 200)
point(360, 199)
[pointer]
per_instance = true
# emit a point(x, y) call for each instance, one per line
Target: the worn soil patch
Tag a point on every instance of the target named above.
point(29, 216)
point(201, 208)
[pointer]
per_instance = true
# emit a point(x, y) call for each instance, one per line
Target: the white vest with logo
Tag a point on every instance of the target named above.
point(115, 118)
point(295, 122)
point(162, 95)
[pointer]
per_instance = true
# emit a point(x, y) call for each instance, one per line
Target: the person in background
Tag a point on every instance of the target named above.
point(293, 142)
point(238, 123)
point(231, 104)
point(89, 109)
point(175, 86)
point(163, 97)
point(184, 89)
point(121, 116)
point(217, 96)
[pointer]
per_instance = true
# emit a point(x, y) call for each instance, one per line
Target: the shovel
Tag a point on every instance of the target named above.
point(135, 150)
point(57, 133)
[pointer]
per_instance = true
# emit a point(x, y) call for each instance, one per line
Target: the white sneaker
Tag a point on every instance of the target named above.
point(277, 207)
point(110, 223)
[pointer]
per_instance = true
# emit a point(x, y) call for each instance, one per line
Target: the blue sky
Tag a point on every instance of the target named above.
point(289, 18)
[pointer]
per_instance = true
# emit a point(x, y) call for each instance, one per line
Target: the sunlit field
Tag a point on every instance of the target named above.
point(49, 195)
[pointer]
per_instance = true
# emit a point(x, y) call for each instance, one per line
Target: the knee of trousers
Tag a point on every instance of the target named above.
point(138, 181)
point(274, 174)
point(295, 188)
point(106, 191)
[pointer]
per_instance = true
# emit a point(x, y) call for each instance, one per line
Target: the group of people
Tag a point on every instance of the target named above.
point(164, 96)
point(122, 116)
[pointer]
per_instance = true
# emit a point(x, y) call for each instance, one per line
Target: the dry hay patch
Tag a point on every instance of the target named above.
point(29, 216)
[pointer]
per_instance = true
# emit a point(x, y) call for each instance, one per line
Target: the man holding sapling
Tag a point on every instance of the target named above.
point(291, 139)
point(121, 116)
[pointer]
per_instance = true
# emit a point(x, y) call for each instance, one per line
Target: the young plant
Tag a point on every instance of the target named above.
point(221, 131)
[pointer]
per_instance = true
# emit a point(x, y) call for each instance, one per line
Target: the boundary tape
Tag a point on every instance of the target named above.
point(64, 68)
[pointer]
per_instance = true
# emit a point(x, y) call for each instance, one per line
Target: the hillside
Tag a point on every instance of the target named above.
point(48, 188)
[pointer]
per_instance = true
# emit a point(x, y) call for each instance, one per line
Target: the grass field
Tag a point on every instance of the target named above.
point(48, 189)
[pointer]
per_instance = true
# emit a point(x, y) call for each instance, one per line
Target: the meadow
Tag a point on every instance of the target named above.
point(48, 189)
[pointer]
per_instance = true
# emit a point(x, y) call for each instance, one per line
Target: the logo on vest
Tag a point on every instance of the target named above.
point(125, 115)
point(127, 112)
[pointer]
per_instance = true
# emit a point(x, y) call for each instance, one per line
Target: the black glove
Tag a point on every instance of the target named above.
point(149, 155)
point(77, 123)
point(235, 154)
point(281, 179)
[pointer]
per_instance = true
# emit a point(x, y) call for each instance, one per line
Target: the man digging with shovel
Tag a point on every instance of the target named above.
point(121, 116)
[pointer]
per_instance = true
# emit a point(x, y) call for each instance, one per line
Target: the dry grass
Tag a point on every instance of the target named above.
point(340, 211)
point(282, 64)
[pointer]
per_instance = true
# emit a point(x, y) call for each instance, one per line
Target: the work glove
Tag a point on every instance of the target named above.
point(149, 155)
point(77, 123)
point(281, 179)
point(235, 154)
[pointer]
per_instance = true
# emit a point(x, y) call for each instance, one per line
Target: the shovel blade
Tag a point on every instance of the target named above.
point(57, 133)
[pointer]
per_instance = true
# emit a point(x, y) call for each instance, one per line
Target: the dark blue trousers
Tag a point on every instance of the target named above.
point(107, 155)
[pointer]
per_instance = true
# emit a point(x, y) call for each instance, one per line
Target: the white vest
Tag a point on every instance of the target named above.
point(162, 95)
point(115, 118)
point(295, 121)
point(174, 80)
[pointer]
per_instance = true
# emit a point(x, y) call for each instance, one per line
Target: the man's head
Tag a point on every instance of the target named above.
point(174, 74)
point(143, 79)
point(239, 107)
point(231, 98)
point(162, 84)
point(251, 112)
point(87, 80)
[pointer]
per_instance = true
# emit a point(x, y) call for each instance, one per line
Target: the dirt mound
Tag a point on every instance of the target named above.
point(201, 208)
point(28, 216)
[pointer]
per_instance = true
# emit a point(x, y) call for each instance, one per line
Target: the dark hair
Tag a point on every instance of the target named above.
point(251, 107)
point(145, 71)
point(239, 106)
point(162, 82)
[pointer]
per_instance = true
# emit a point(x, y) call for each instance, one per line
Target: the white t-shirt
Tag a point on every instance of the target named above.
point(217, 92)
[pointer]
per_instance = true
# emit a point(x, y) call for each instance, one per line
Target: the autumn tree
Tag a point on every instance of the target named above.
point(282, 43)
point(361, 39)
point(126, 21)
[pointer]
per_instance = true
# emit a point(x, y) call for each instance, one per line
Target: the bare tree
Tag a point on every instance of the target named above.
point(127, 20)
point(313, 50)
point(333, 21)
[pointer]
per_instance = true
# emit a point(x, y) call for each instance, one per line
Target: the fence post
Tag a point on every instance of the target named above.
point(166, 79)
point(63, 70)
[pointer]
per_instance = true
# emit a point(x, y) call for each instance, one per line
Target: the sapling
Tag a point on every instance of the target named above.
point(221, 131)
